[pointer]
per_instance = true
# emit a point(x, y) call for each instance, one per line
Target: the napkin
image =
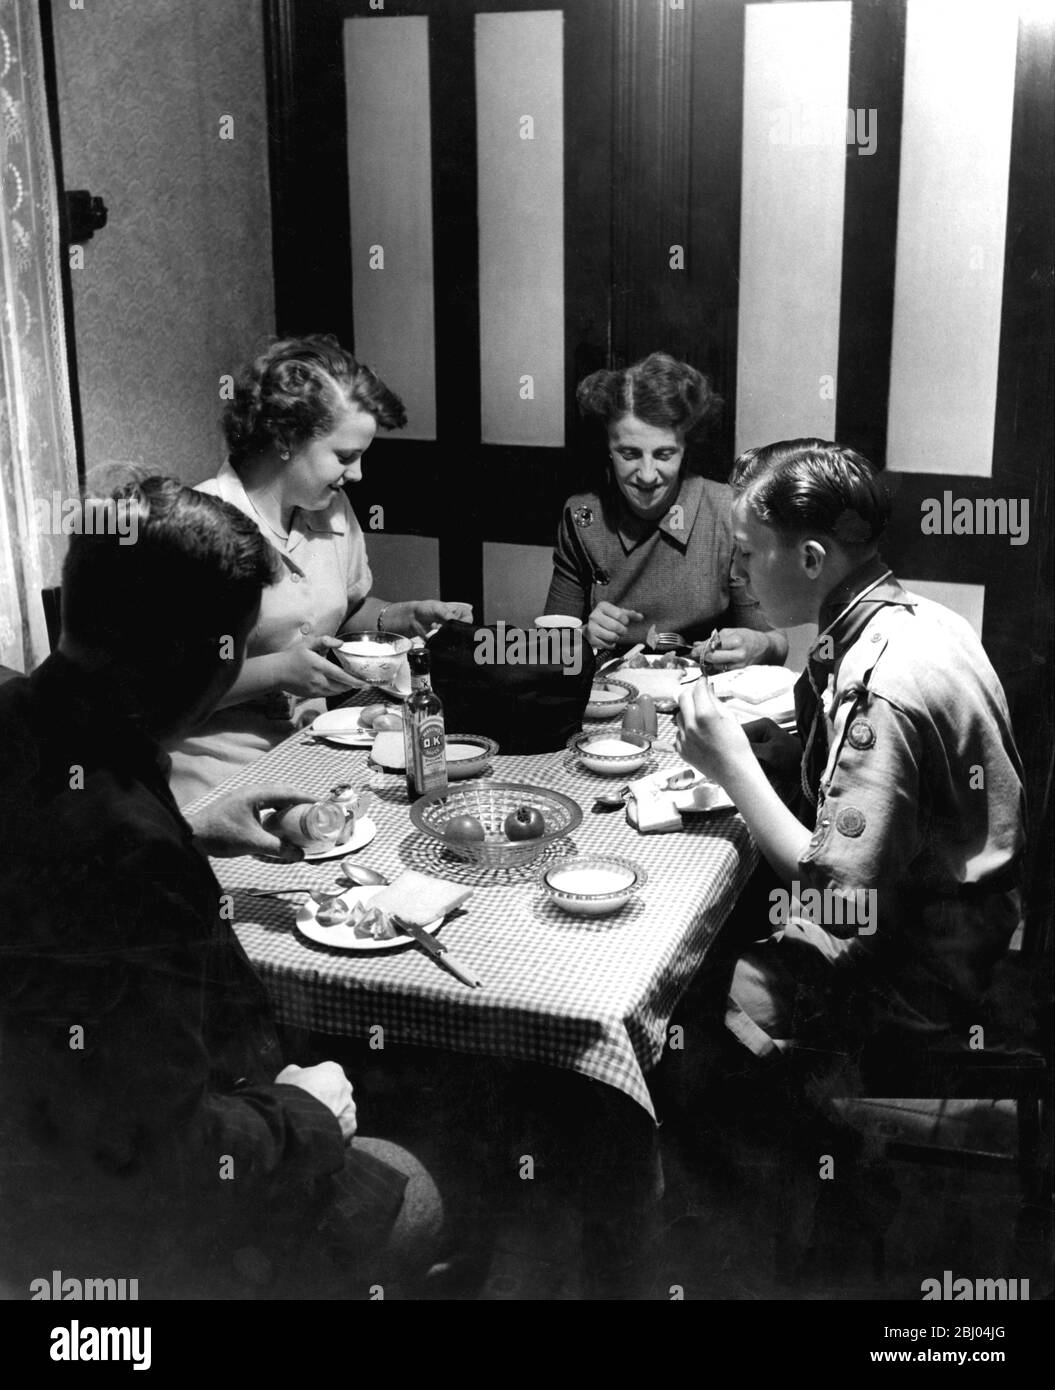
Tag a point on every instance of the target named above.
point(419, 899)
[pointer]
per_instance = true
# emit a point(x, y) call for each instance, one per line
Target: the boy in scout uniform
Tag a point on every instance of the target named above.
point(899, 877)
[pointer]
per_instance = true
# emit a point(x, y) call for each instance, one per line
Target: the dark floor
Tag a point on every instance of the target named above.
point(740, 1217)
point(717, 1243)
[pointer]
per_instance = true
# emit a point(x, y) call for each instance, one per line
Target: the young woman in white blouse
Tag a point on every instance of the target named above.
point(303, 415)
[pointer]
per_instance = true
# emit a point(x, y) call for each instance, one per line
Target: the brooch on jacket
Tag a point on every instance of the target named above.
point(583, 516)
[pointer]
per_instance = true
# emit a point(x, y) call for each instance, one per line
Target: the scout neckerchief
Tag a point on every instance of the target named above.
point(846, 612)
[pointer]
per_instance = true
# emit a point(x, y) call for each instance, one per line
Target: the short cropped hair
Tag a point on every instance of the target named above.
point(297, 390)
point(814, 485)
point(192, 576)
point(659, 390)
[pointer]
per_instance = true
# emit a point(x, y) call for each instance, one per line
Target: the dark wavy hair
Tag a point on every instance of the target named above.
point(659, 390)
point(192, 575)
point(297, 390)
point(814, 485)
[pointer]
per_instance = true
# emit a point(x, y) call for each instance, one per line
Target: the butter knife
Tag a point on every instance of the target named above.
point(438, 951)
point(620, 660)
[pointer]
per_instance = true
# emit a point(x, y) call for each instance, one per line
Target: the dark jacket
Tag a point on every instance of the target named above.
point(137, 1052)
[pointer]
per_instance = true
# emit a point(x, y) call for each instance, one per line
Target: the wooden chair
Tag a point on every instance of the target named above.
point(1014, 1065)
point(52, 601)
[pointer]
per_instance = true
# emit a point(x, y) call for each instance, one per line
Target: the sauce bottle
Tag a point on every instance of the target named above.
point(424, 737)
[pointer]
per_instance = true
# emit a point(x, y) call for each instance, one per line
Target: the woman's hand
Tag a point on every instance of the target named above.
point(303, 670)
point(415, 617)
point(709, 737)
point(607, 624)
point(738, 646)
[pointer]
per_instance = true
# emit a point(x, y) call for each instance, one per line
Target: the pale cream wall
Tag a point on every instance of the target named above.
point(178, 288)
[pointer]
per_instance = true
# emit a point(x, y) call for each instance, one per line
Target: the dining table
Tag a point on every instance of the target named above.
point(586, 995)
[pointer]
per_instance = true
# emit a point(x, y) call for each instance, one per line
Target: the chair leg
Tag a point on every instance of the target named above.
point(1027, 1110)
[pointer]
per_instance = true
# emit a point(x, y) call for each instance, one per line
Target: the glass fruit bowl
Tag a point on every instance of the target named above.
point(490, 802)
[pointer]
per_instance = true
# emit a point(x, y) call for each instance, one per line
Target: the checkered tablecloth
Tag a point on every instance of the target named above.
point(592, 995)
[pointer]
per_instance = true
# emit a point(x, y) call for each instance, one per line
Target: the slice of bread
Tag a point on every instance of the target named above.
point(754, 685)
point(420, 899)
point(388, 750)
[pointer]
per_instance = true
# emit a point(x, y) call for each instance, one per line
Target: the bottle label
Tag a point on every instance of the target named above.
point(429, 755)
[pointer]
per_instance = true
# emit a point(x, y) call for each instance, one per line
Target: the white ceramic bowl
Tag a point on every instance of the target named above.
point(468, 755)
point(616, 764)
point(373, 657)
point(593, 885)
point(612, 703)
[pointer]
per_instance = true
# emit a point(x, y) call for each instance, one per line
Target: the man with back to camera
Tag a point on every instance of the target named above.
point(148, 1126)
point(911, 779)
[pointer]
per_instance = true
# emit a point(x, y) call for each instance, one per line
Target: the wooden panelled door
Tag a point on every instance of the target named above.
point(667, 234)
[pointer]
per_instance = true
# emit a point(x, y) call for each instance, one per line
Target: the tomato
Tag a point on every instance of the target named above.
point(369, 714)
point(525, 823)
point(669, 662)
point(392, 722)
point(464, 829)
point(636, 663)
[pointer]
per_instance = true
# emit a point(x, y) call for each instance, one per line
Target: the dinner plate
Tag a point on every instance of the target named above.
point(344, 938)
point(661, 683)
point(780, 708)
point(707, 797)
point(342, 726)
point(365, 830)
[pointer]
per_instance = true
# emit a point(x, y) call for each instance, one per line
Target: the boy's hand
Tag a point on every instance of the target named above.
point(709, 738)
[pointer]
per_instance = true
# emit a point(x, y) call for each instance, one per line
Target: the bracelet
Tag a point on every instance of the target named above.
point(380, 616)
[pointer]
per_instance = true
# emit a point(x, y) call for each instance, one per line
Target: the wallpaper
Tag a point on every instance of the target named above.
point(177, 288)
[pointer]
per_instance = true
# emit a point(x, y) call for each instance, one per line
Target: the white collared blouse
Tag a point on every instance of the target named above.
point(325, 576)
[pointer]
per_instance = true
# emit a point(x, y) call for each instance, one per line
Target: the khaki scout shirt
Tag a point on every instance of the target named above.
point(921, 800)
point(676, 572)
point(325, 575)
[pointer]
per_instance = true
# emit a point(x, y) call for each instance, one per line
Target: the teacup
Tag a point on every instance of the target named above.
point(558, 620)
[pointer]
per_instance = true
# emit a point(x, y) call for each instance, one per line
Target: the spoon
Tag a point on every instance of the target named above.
point(314, 893)
point(362, 874)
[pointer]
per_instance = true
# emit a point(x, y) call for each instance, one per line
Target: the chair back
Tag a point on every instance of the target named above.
point(52, 601)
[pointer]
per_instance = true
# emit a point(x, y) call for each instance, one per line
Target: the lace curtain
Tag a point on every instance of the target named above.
point(37, 456)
